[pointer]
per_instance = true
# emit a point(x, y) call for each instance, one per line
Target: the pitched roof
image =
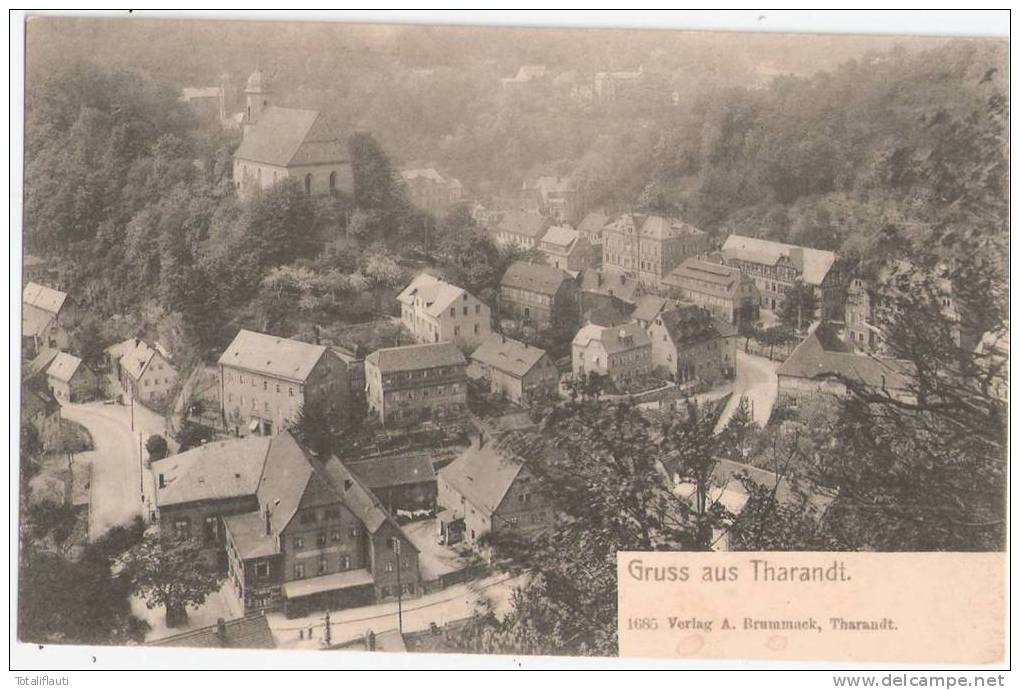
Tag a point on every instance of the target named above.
point(35, 321)
point(216, 470)
point(482, 476)
point(285, 477)
point(37, 400)
point(41, 362)
point(653, 227)
point(248, 533)
point(356, 495)
point(814, 264)
point(688, 324)
point(526, 223)
point(415, 357)
point(290, 136)
point(437, 295)
point(394, 470)
point(136, 355)
point(273, 356)
point(614, 283)
point(430, 174)
point(250, 632)
point(823, 354)
point(711, 278)
point(649, 306)
point(63, 367)
point(43, 297)
point(614, 339)
point(540, 278)
point(563, 237)
point(507, 355)
point(593, 223)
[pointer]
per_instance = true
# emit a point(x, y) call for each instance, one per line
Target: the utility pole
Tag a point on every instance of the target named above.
point(132, 412)
point(141, 471)
point(400, 589)
point(329, 633)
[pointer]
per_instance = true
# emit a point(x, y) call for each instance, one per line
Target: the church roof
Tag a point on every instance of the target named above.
point(290, 137)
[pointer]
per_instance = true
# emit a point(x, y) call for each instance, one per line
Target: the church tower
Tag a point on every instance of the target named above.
point(256, 93)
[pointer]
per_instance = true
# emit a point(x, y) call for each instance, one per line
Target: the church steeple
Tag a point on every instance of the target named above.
point(256, 92)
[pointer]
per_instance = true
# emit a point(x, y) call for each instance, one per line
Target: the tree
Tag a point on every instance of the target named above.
point(736, 435)
point(602, 462)
point(88, 343)
point(318, 424)
point(171, 572)
point(376, 185)
point(797, 309)
point(779, 334)
point(156, 447)
point(191, 436)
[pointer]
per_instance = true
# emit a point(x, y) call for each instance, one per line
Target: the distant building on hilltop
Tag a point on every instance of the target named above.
point(288, 143)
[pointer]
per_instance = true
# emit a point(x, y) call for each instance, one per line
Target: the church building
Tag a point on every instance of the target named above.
point(281, 143)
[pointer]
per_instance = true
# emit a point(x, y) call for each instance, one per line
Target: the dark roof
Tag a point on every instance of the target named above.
point(250, 632)
point(823, 354)
point(613, 283)
point(593, 223)
point(41, 362)
point(394, 470)
point(415, 357)
point(689, 323)
point(285, 477)
point(653, 226)
point(526, 223)
point(649, 306)
point(356, 495)
point(36, 399)
point(540, 278)
point(606, 315)
point(707, 277)
point(217, 470)
point(290, 136)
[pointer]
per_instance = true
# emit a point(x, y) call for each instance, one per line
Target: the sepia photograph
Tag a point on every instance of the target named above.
point(513, 341)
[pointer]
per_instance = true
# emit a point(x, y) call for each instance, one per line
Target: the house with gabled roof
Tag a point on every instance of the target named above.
point(46, 315)
point(648, 247)
point(523, 229)
point(416, 383)
point(689, 343)
point(265, 380)
point(436, 311)
point(520, 372)
point(487, 491)
point(622, 352)
point(776, 266)
point(725, 290)
point(824, 364)
point(537, 293)
point(405, 483)
point(70, 379)
point(288, 143)
point(145, 370)
point(430, 190)
point(298, 532)
point(565, 248)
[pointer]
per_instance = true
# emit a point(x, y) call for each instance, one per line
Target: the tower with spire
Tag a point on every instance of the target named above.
point(256, 95)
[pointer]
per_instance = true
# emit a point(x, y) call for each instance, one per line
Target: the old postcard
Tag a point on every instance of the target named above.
point(651, 344)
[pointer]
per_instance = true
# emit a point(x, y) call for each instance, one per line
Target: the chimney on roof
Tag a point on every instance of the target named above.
point(221, 631)
point(269, 525)
point(138, 341)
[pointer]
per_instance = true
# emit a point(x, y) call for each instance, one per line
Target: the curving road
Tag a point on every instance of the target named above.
point(756, 381)
point(118, 480)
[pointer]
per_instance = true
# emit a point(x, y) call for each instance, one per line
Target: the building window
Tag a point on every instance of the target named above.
point(336, 535)
point(299, 542)
point(290, 391)
point(345, 563)
point(354, 532)
point(261, 569)
point(265, 385)
point(182, 528)
point(389, 566)
point(320, 539)
point(323, 565)
point(308, 184)
point(211, 529)
point(299, 570)
point(277, 388)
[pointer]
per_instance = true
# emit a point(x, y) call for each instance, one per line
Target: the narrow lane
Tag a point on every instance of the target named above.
point(756, 381)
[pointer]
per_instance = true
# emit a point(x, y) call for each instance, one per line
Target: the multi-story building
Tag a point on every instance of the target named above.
point(649, 247)
point(725, 290)
point(565, 248)
point(299, 532)
point(435, 311)
point(288, 143)
point(404, 483)
point(823, 364)
point(488, 491)
point(775, 267)
point(622, 353)
point(689, 343)
point(520, 372)
point(537, 293)
point(145, 371)
point(46, 316)
point(520, 228)
point(416, 383)
point(265, 380)
point(601, 289)
point(591, 226)
point(430, 190)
